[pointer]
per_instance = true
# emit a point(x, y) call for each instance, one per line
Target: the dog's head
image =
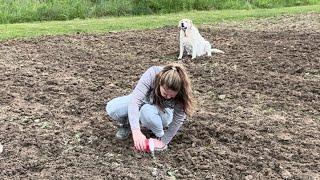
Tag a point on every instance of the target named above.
point(185, 24)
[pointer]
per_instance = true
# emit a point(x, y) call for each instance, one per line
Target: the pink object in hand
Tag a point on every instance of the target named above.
point(149, 145)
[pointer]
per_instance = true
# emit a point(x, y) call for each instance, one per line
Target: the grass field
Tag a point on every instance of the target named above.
point(101, 25)
point(20, 11)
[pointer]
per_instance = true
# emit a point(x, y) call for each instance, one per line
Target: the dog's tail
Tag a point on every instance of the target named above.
point(214, 50)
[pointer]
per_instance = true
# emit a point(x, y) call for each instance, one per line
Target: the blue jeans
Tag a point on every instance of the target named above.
point(150, 116)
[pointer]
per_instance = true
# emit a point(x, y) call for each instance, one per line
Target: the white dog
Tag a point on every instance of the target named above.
point(192, 42)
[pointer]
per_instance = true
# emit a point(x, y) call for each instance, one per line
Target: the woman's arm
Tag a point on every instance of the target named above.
point(145, 84)
point(179, 117)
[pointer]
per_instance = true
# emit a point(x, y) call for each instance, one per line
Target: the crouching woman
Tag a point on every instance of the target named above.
point(160, 102)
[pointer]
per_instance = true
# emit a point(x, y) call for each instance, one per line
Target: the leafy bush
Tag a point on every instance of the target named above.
point(37, 10)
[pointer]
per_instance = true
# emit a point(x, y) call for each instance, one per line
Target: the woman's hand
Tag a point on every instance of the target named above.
point(139, 140)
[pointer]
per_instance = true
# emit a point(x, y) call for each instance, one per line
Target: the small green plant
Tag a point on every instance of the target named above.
point(77, 136)
point(269, 110)
point(171, 174)
point(45, 125)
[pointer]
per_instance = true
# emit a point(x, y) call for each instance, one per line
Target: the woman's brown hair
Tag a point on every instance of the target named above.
point(174, 77)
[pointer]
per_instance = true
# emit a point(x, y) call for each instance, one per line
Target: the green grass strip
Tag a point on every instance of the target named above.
point(102, 25)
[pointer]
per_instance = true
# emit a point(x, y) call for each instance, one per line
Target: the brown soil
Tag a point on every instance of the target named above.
point(258, 113)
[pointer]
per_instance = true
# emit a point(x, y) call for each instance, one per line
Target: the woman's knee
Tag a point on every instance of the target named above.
point(117, 108)
point(111, 111)
point(159, 133)
point(148, 112)
point(151, 119)
point(167, 117)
